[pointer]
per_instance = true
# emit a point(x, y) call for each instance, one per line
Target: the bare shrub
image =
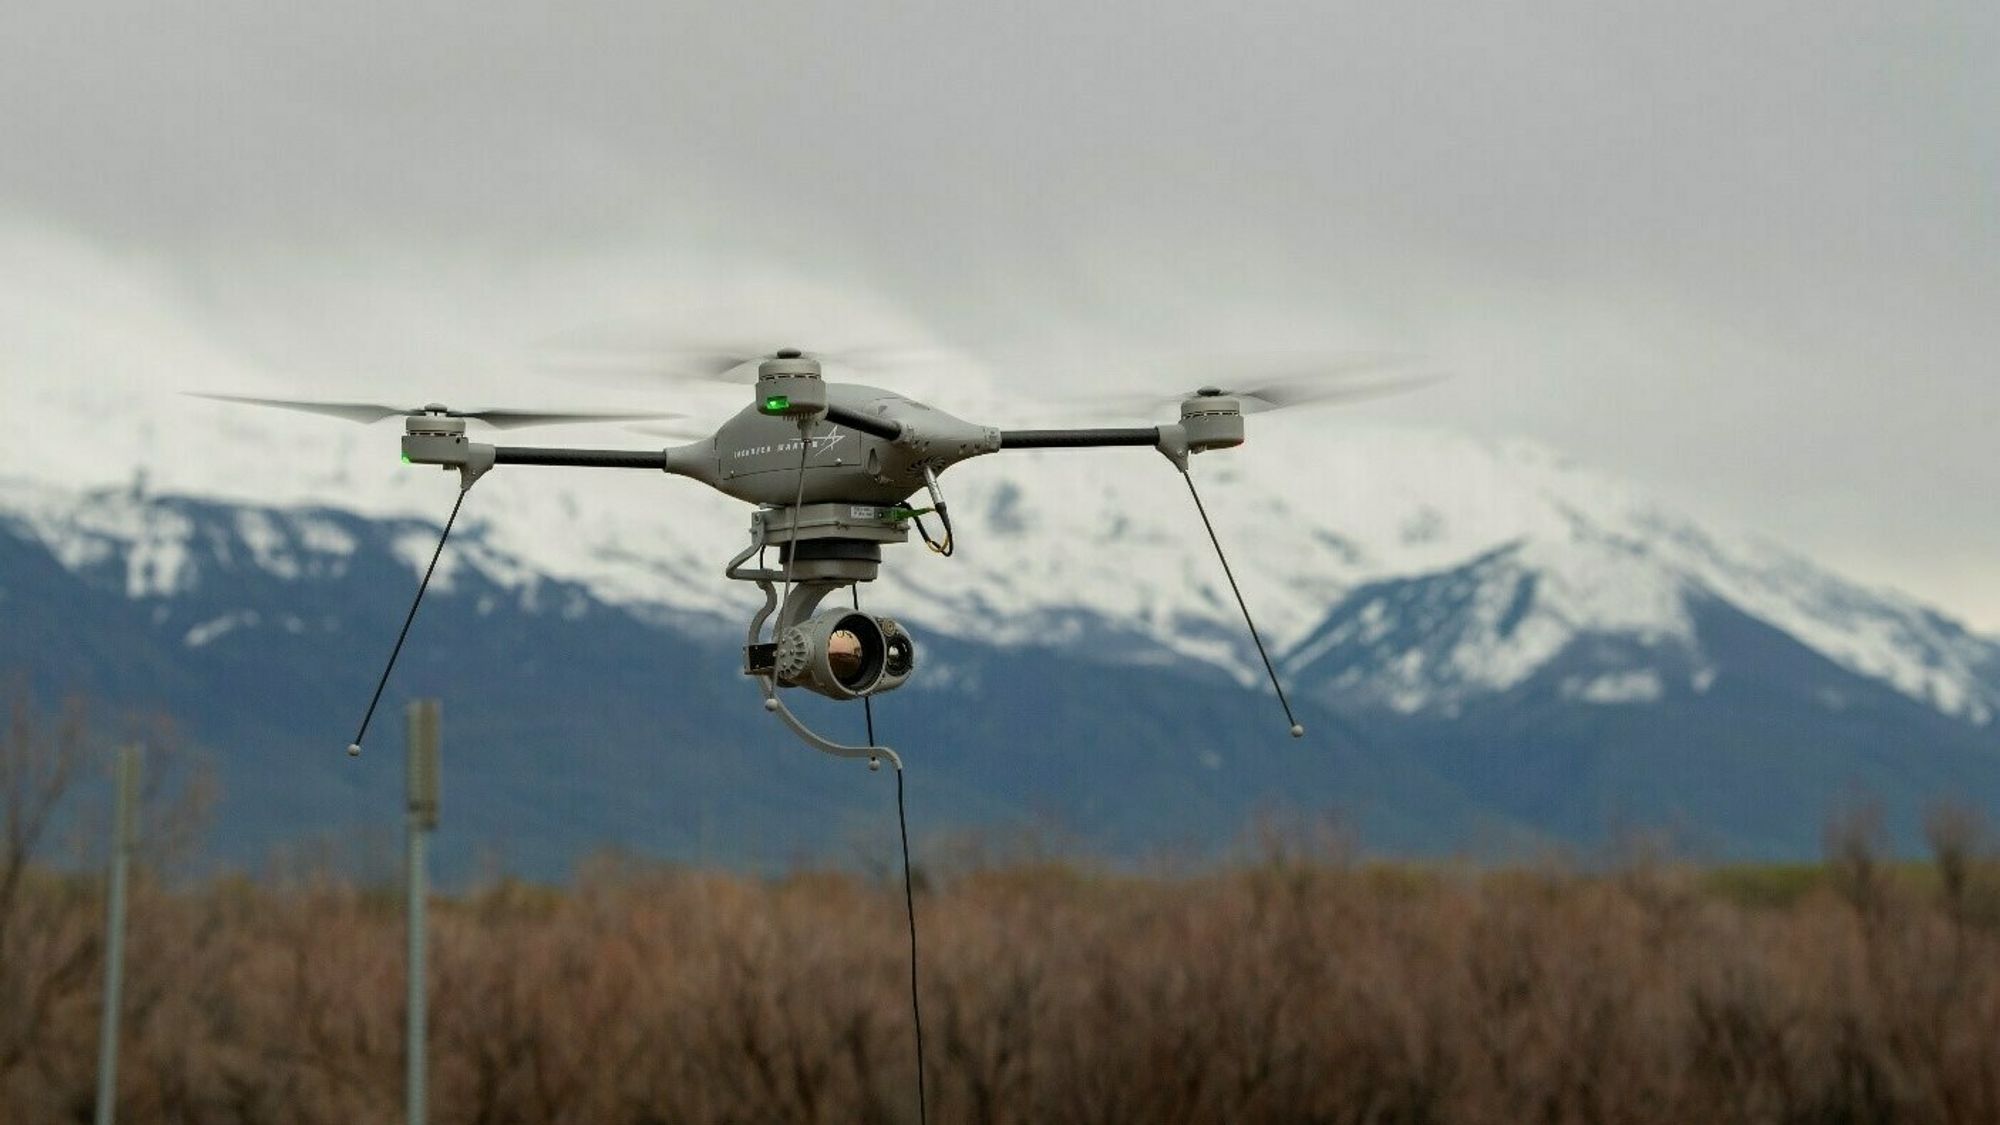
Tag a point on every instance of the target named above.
point(1855, 844)
point(1304, 987)
point(1956, 833)
point(53, 809)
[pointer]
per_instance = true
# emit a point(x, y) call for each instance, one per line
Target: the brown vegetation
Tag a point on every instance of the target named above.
point(1285, 992)
point(1299, 988)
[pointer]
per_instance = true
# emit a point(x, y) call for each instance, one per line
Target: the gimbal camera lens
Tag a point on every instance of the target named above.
point(844, 655)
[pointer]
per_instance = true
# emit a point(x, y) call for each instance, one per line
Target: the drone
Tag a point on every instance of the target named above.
point(834, 472)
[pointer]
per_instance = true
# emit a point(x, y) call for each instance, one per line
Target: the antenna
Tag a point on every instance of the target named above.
point(1298, 729)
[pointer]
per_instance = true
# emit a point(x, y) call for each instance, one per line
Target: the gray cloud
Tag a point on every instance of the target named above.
point(1745, 252)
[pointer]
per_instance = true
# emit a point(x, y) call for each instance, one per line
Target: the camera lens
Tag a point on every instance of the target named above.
point(844, 655)
point(841, 655)
point(853, 650)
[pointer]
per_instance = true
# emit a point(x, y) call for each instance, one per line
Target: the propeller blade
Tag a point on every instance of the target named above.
point(1274, 382)
point(366, 412)
point(691, 367)
point(515, 419)
point(626, 353)
point(351, 411)
point(1306, 392)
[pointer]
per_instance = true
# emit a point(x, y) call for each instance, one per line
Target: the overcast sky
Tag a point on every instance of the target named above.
point(1744, 253)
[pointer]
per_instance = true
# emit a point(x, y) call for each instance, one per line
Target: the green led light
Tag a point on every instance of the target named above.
point(777, 404)
point(406, 458)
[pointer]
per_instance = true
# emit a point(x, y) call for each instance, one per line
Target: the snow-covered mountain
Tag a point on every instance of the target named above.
point(1097, 548)
point(1540, 552)
point(1488, 641)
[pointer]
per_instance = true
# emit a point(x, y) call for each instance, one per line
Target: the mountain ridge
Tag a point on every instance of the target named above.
point(1487, 641)
point(601, 724)
point(1045, 535)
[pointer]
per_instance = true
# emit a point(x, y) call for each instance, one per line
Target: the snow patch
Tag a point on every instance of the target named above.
point(1641, 686)
point(216, 627)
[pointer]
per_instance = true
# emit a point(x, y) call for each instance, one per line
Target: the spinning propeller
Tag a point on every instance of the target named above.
point(730, 361)
point(366, 412)
point(1265, 383)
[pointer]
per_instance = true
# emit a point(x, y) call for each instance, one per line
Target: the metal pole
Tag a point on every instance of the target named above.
point(414, 1050)
point(422, 810)
point(122, 825)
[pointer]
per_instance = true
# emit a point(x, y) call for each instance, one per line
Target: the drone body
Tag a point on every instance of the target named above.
point(831, 469)
point(755, 455)
point(866, 445)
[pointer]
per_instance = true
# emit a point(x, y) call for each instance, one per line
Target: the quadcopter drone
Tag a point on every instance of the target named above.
point(832, 470)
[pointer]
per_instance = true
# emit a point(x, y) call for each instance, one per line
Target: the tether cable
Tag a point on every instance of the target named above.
point(909, 895)
point(791, 550)
point(910, 905)
point(354, 748)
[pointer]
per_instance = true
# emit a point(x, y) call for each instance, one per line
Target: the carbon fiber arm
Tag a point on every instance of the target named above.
point(581, 458)
point(1148, 436)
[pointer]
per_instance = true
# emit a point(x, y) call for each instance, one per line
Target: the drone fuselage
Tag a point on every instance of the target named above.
point(828, 467)
point(756, 456)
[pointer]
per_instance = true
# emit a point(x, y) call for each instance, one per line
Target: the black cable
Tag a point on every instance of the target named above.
point(354, 748)
point(791, 550)
point(909, 896)
point(1298, 731)
point(910, 904)
point(943, 546)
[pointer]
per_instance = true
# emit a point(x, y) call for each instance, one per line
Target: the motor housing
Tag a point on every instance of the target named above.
point(789, 385)
point(1212, 420)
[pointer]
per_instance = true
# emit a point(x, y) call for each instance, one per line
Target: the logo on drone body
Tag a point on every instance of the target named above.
point(820, 444)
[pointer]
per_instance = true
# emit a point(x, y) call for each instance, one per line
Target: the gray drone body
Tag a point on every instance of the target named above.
point(831, 469)
point(756, 455)
point(867, 445)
